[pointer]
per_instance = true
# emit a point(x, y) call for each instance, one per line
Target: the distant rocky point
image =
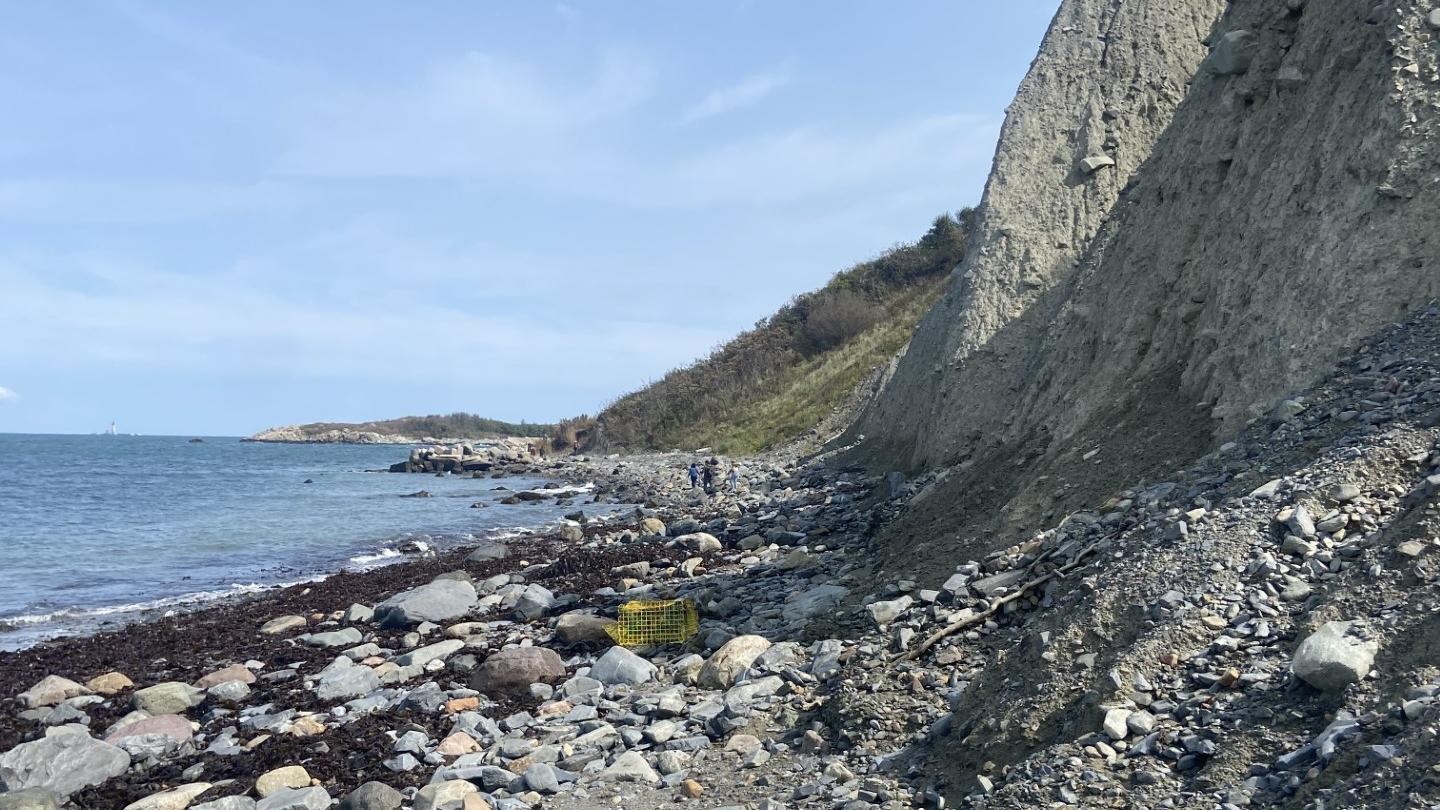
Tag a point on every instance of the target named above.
point(313, 434)
point(456, 428)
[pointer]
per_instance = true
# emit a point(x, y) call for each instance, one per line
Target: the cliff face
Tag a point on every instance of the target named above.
point(1112, 324)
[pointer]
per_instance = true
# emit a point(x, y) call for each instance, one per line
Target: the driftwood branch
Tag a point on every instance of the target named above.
point(998, 604)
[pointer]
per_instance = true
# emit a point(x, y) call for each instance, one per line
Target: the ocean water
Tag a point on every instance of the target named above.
point(97, 529)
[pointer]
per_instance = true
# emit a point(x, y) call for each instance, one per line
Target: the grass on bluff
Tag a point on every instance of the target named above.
point(780, 379)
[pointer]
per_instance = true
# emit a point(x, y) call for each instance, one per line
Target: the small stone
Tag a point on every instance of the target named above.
point(692, 789)
point(50, 691)
point(290, 776)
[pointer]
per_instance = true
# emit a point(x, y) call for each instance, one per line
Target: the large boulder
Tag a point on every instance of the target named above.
point(577, 626)
point(1335, 656)
point(619, 665)
point(311, 798)
point(161, 737)
point(439, 601)
point(372, 796)
point(274, 781)
point(513, 670)
point(446, 795)
point(534, 602)
point(732, 662)
point(630, 767)
point(171, 697)
point(344, 679)
point(64, 764)
point(51, 690)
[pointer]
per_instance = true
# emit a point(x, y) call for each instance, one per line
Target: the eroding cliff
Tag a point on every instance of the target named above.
point(1116, 323)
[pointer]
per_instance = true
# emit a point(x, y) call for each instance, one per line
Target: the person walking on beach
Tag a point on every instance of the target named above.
point(694, 475)
point(734, 478)
point(709, 480)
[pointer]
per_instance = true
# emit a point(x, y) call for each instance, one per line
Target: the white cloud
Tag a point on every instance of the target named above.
point(748, 91)
point(481, 113)
point(6, 395)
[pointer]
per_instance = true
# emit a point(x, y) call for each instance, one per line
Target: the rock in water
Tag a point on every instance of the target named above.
point(513, 670)
point(1334, 657)
point(439, 601)
point(64, 764)
point(619, 665)
point(732, 661)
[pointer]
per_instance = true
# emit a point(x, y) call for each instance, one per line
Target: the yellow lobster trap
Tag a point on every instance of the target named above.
point(655, 621)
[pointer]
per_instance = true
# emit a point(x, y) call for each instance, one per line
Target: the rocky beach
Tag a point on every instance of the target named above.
point(1258, 629)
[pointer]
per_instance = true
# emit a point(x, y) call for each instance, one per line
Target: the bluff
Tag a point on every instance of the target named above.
point(1195, 208)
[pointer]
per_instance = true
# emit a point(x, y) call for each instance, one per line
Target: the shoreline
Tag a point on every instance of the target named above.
point(743, 584)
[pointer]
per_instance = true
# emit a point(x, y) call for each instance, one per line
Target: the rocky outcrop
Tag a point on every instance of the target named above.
point(468, 457)
point(1111, 325)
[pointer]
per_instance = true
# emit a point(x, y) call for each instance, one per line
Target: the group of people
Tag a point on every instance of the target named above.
point(707, 476)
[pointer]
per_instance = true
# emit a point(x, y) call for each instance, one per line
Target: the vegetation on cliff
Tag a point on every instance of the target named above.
point(781, 378)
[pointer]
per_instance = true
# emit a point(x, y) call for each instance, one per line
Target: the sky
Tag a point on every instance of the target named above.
point(215, 218)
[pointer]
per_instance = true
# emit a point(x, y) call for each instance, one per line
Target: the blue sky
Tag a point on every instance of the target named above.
point(219, 217)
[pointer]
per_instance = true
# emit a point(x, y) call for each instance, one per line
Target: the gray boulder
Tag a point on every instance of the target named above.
point(372, 796)
point(439, 601)
point(1334, 656)
point(344, 680)
point(534, 602)
point(732, 662)
point(619, 665)
point(311, 798)
point(578, 626)
point(347, 637)
point(172, 697)
point(513, 670)
point(65, 763)
point(816, 601)
point(432, 652)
